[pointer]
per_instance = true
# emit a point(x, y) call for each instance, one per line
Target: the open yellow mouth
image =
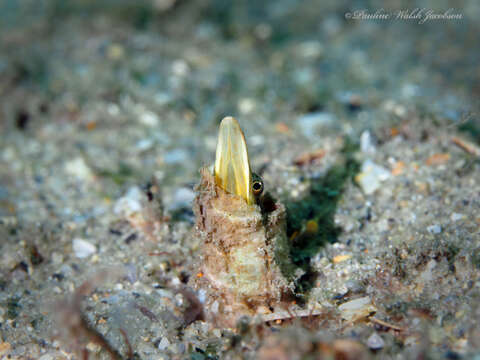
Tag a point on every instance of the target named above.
point(232, 167)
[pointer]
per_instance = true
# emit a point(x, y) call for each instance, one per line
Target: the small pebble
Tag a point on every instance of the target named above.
point(427, 273)
point(163, 98)
point(310, 49)
point(176, 156)
point(46, 357)
point(163, 5)
point(144, 144)
point(246, 105)
point(182, 197)
point(130, 203)
point(113, 109)
point(354, 286)
point(214, 307)
point(309, 123)
point(375, 342)
point(434, 229)
point(263, 31)
point(356, 309)
point(366, 143)
point(149, 119)
point(118, 286)
point(83, 248)
point(164, 343)
point(394, 108)
point(456, 216)
point(115, 52)
point(79, 169)
point(131, 273)
point(371, 176)
point(180, 68)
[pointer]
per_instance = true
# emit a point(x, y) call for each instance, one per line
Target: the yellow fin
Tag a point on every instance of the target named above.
point(232, 168)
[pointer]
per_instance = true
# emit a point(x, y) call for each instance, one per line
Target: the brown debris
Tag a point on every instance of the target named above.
point(341, 258)
point(466, 146)
point(283, 128)
point(438, 159)
point(195, 309)
point(345, 349)
point(398, 168)
point(291, 345)
point(148, 313)
point(35, 257)
point(393, 132)
point(309, 157)
point(4, 348)
point(288, 314)
point(127, 342)
point(384, 324)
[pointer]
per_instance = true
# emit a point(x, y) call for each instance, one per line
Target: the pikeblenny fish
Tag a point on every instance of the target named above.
point(245, 266)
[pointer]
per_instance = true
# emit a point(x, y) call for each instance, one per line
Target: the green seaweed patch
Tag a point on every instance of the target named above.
point(32, 69)
point(120, 176)
point(472, 128)
point(139, 14)
point(184, 214)
point(475, 258)
point(319, 206)
point(210, 353)
point(13, 307)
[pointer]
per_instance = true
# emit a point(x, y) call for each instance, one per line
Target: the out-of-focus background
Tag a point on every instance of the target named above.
point(367, 129)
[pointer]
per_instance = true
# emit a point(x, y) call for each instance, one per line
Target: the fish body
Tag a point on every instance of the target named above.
point(245, 250)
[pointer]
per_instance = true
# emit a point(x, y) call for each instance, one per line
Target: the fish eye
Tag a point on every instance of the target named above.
point(257, 187)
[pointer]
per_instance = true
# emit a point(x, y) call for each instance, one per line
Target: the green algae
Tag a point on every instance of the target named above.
point(319, 205)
